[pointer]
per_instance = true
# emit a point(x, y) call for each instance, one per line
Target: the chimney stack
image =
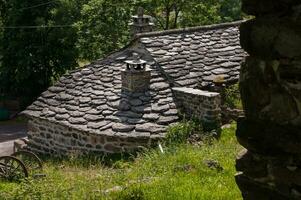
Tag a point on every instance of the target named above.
point(136, 75)
point(141, 23)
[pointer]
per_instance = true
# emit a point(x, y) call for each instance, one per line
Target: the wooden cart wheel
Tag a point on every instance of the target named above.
point(31, 161)
point(12, 168)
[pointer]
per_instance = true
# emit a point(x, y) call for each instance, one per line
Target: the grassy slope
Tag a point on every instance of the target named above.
point(179, 173)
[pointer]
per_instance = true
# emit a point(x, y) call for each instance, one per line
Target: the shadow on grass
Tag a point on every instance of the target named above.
point(91, 159)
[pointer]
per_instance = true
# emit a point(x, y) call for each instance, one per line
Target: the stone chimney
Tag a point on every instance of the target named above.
point(136, 76)
point(141, 23)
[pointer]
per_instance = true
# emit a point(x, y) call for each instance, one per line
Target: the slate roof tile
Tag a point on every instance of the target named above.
point(205, 45)
point(91, 99)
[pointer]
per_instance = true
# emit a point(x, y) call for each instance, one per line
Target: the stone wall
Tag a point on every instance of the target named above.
point(46, 137)
point(270, 167)
point(200, 104)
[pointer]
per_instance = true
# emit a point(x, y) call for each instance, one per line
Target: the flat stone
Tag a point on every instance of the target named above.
point(107, 112)
point(48, 94)
point(53, 102)
point(122, 127)
point(171, 112)
point(84, 99)
point(129, 114)
point(165, 120)
point(135, 121)
point(49, 113)
point(160, 109)
point(64, 97)
point(151, 116)
point(159, 86)
point(141, 109)
point(60, 110)
point(98, 92)
point(136, 102)
point(90, 117)
point(94, 111)
point(97, 125)
point(61, 117)
point(165, 101)
point(124, 106)
point(79, 120)
point(150, 127)
point(77, 114)
point(56, 89)
point(98, 102)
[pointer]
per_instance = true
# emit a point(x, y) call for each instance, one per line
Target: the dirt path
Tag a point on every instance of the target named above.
point(9, 133)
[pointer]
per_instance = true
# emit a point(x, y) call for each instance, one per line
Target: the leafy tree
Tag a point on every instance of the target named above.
point(230, 10)
point(180, 13)
point(198, 13)
point(103, 27)
point(34, 56)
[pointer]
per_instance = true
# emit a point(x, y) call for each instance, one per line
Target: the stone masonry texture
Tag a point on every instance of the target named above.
point(92, 100)
point(270, 166)
point(199, 104)
point(59, 140)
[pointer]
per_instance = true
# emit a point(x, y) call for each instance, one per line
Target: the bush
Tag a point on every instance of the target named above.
point(180, 132)
point(231, 97)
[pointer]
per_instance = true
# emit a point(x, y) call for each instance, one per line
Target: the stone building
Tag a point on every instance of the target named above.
point(129, 98)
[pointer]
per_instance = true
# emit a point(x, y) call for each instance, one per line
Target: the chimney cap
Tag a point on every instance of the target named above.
point(135, 60)
point(140, 12)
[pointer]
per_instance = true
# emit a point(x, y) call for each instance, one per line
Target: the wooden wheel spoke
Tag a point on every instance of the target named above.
point(31, 161)
point(12, 168)
point(16, 168)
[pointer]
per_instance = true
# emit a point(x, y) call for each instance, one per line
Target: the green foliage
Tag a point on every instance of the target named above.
point(230, 10)
point(177, 174)
point(201, 13)
point(231, 96)
point(180, 132)
point(103, 27)
point(33, 58)
point(131, 193)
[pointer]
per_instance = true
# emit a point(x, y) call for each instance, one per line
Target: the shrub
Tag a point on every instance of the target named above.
point(231, 97)
point(180, 132)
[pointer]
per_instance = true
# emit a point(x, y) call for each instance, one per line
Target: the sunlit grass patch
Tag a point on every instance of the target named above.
point(178, 173)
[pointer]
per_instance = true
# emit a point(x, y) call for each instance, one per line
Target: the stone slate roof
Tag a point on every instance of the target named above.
point(194, 57)
point(91, 99)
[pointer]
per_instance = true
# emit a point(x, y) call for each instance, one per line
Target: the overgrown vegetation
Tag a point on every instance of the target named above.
point(32, 53)
point(231, 97)
point(180, 132)
point(41, 40)
point(180, 173)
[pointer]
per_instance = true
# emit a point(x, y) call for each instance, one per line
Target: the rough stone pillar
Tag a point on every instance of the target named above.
point(270, 84)
point(141, 23)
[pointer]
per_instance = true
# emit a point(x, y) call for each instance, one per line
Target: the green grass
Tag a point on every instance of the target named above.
point(177, 174)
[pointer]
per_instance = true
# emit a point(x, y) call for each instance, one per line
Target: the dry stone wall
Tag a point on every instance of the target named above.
point(46, 137)
point(270, 81)
point(200, 104)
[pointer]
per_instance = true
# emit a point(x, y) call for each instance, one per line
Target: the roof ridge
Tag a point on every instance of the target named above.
point(189, 29)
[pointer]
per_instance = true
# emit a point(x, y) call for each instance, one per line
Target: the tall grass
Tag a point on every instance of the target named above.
point(177, 174)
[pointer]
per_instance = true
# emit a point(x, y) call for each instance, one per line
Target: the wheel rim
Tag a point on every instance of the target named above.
point(12, 169)
point(31, 161)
